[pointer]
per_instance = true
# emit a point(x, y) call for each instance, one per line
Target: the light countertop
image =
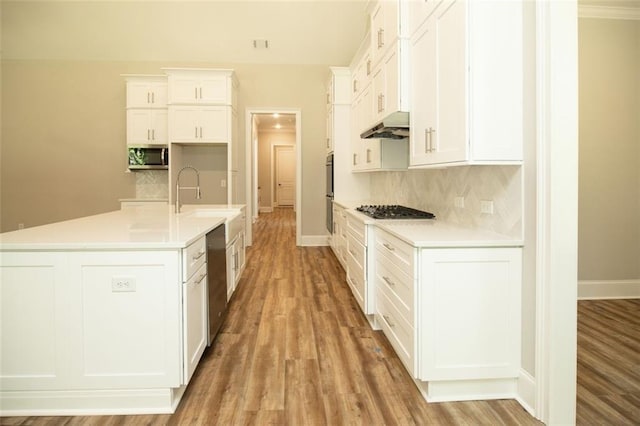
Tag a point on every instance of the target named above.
point(434, 233)
point(150, 228)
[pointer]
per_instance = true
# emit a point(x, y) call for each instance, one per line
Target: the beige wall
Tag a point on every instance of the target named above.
point(63, 130)
point(63, 133)
point(609, 173)
point(266, 142)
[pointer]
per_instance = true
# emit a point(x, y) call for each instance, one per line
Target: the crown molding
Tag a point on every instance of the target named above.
point(606, 12)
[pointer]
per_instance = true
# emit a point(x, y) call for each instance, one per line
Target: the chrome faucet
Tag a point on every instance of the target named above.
point(178, 187)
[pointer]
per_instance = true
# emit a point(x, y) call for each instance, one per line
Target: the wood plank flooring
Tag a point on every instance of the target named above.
point(608, 362)
point(296, 350)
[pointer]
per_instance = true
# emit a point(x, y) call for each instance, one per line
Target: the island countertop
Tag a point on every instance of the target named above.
point(148, 228)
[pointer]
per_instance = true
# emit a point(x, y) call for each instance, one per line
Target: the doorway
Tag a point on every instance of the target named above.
point(273, 155)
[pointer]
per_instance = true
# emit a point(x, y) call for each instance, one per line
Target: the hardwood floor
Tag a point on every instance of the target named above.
point(608, 362)
point(296, 350)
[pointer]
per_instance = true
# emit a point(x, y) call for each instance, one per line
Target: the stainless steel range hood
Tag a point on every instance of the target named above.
point(394, 126)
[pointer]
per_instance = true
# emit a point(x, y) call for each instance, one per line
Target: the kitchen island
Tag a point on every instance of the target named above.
point(98, 314)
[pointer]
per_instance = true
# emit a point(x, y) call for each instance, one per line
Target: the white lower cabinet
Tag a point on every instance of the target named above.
point(395, 295)
point(469, 313)
point(358, 263)
point(95, 323)
point(194, 320)
point(339, 237)
point(236, 252)
point(452, 315)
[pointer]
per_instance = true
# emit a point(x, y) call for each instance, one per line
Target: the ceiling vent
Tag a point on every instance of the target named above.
point(260, 44)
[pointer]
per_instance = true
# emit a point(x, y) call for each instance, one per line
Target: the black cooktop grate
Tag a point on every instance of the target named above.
point(394, 212)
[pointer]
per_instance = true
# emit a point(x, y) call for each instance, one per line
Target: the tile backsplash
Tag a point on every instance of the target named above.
point(435, 190)
point(152, 184)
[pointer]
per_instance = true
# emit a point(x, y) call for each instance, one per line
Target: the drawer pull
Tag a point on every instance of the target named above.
point(198, 255)
point(388, 247)
point(387, 318)
point(200, 278)
point(388, 281)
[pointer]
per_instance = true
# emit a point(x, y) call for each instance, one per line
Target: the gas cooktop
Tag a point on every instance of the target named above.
point(394, 212)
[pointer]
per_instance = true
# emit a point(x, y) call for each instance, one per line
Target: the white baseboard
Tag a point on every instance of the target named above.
point(527, 392)
point(265, 209)
point(613, 289)
point(315, 240)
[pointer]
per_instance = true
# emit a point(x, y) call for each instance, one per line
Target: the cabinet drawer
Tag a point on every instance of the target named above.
point(356, 250)
point(355, 278)
point(397, 330)
point(357, 228)
point(398, 286)
point(397, 251)
point(193, 257)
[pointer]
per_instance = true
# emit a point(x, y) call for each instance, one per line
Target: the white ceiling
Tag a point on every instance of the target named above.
point(318, 32)
point(268, 123)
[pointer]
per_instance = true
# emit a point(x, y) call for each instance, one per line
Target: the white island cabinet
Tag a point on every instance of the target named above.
point(104, 314)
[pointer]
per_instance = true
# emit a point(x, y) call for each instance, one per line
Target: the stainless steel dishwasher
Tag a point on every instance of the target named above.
point(217, 280)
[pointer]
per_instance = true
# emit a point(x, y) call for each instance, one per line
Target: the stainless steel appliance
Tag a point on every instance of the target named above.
point(394, 212)
point(216, 279)
point(394, 126)
point(148, 157)
point(329, 195)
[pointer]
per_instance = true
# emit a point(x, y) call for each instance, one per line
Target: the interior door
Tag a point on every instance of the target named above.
point(285, 175)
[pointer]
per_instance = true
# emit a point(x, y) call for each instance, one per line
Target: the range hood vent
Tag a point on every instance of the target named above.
point(394, 126)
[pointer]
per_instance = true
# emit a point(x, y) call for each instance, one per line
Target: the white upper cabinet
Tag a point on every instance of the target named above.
point(390, 83)
point(385, 27)
point(146, 91)
point(195, 86)
point(338, 94)
point(418, 12)
point(467, 85)
point(146, 109)
point(201, 124)
point(147, 127)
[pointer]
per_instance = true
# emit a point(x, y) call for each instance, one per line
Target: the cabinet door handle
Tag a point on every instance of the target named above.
point(368, 156)
point(200, 278)
point(426, 141)
point(198, 255)
point(148, 99)
point(388, 281)
point(201, 93)
point(153, 134)
point(328, 142)
point(369, 67)
point(388, 247)
point(195, 92)
point(148, 134)
point(387, 318)
point(380, 35)
point(355, 86)
point(354, 159)
point(432, 148)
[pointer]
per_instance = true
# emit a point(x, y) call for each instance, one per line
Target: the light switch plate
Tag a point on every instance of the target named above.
point(486, 206)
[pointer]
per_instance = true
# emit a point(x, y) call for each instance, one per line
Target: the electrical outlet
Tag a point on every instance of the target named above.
point(486, 206)
point(123, 284)
point(21, 226)
point(459, 202)
point(223, 183)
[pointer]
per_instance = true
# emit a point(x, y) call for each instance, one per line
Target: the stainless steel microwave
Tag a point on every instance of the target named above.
point(145, 157)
